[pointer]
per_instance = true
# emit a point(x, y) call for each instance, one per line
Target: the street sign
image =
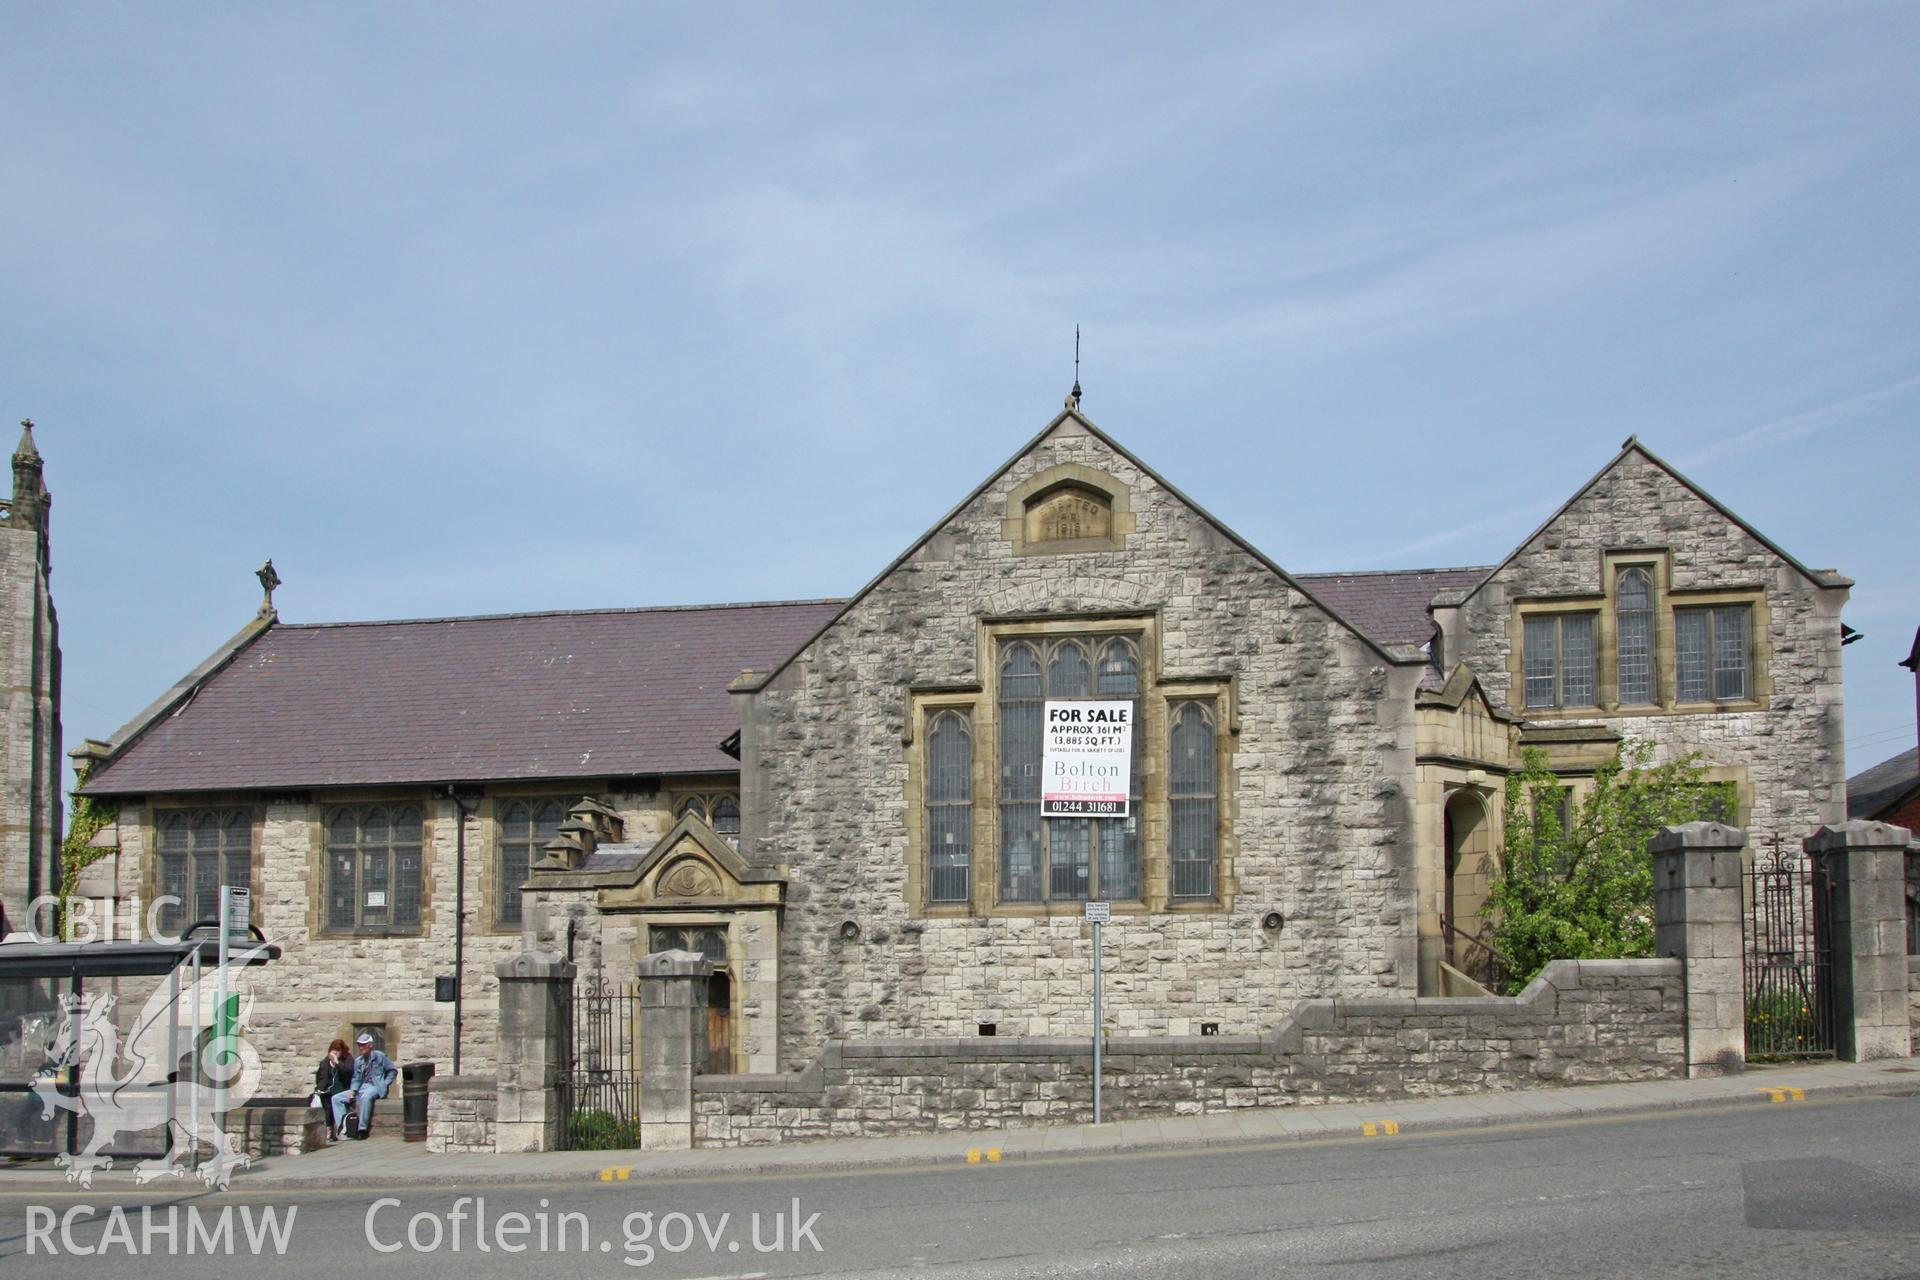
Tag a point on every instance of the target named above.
point(237, 910)
point(1099, 912)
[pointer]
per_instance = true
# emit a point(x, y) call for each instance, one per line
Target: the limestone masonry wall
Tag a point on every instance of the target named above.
point(1913, 988)
point(1316, 799)
point(1790, 748)
point(1580, 1022)
point(460, 1114)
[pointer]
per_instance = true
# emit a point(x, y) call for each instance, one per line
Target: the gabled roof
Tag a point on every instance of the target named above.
point(1391, 604)
point(1385, 652)
point(605, 693)
point(1819, 577)
point(1880, 790)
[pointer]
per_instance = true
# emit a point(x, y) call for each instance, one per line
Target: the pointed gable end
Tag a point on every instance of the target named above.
point(1073, 506)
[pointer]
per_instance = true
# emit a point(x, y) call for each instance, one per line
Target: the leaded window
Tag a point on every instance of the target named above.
point(374, 868)
point(949, 804)
point(1633, 609)
point(726, 819)
point(1193, 800)
point(1053, 860)
point(709, 941)
point(1558, 660)
point(1712, 654)
point(201, 849)
point(526, 827)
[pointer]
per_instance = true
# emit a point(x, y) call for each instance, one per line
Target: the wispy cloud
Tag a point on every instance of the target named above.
point(1849, 413)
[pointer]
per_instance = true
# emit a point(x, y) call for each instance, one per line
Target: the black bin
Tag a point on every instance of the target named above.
point(413, 1100)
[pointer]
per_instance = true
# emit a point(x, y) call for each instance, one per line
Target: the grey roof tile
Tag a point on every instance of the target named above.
point(514, 696)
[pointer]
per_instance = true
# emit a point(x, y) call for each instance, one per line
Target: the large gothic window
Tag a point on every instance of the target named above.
point(1633, 614)
point(1054, 859)
point(949, 807)
point(201, 849)
point(373, 868)
point(526, 827)
point(1193, 800)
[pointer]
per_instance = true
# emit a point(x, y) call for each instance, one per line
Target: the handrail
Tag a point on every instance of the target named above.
point(1494, 971)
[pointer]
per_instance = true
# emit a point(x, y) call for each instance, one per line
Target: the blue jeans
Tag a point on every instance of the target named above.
point(340, 1101)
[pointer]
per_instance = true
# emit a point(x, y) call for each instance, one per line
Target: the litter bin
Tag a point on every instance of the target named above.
point(413, 1100)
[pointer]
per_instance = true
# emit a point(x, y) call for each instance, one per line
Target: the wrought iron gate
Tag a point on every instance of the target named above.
point(1787, 932)
point(602, 1094)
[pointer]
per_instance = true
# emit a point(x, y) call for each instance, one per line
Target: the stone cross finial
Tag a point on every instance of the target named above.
point(268, 581)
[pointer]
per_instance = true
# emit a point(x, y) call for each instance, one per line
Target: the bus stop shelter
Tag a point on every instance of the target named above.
point(41, 983)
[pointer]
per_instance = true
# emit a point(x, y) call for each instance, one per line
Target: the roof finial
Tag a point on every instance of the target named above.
point(1073, 397)
point(268, 581)
point(27, 448)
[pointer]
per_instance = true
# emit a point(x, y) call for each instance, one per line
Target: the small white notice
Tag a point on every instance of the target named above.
point(239, 910)
point(376, 897)
point(1086, 763)
point(1099, 912)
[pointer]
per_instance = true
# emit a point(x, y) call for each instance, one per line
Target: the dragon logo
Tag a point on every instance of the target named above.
point(131, 1087)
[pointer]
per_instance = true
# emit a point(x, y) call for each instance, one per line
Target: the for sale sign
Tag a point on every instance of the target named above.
point(1086, 766)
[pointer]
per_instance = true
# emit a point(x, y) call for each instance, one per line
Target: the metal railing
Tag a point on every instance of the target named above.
point(1474, 956)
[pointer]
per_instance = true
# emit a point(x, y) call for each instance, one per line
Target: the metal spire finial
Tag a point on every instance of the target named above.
point(1073, 398)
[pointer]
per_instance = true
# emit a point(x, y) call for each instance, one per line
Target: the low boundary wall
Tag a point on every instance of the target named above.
point(1580, 1021)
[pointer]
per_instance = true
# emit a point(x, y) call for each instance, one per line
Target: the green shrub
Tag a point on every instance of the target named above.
point(601, 1131)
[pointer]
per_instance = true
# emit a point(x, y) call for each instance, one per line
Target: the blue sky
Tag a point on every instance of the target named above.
point(462, 309)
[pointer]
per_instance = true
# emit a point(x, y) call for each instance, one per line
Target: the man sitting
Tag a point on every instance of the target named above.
point(373, 1074)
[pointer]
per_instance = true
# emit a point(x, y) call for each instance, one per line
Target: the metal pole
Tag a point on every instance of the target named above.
point(193, 1084)
point(220, 1011)
point(171, 1076)
point(1097, 1037)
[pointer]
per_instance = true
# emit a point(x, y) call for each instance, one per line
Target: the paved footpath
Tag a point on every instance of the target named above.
point(384, 1161)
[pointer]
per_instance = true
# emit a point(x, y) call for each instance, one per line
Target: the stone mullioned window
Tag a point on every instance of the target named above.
point(373, 860)
point(980, 844)
point(1642, 646)
point(199, 850)
point(525, 828)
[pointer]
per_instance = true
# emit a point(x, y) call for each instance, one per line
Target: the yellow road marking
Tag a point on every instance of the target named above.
point(1786, 1094)
point(621, 1174)
point(993, 1155)
point(1370, 1129)
point(973, 1155)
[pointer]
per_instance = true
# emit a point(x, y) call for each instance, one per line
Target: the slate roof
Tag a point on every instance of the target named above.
point(1389, 605)
point(1880, 789)
point(606, 693)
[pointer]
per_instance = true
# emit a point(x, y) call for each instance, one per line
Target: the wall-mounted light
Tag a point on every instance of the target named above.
point(1273, 922)
point(849, 931)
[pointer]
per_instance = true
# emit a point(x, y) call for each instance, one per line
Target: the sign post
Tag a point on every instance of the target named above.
point(1098, 913)
point(236, 914)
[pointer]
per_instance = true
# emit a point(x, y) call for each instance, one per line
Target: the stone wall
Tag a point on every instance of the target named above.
point(1913, 988)
point(322, 985)
point(31, 781)
point(1580, 1022)
point(1316, 795)
point(460, 1114)
point(1789, 749)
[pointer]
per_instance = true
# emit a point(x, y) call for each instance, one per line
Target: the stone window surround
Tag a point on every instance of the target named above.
point(430, 806)
point(1068, 474)
point(494, 891)
point(980, 701)
point(1606, 648)
point(151, 876)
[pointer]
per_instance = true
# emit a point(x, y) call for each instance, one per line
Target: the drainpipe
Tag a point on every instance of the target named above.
point(461, 814)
